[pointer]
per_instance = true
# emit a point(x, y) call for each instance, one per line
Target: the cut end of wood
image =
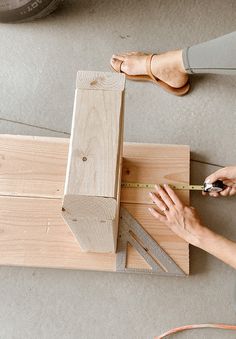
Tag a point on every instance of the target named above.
point(101, 234)
point(79, 206)
point(106, 81)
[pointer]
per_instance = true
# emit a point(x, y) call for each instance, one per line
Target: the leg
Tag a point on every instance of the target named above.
point(215, 56)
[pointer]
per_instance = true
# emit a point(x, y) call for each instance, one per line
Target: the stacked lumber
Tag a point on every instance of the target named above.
point(32, 229)
point(92, 185)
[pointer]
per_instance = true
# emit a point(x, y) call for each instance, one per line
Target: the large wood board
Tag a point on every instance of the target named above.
point(32, 230)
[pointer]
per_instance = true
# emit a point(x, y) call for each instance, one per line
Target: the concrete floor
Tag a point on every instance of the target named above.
point(38, 64)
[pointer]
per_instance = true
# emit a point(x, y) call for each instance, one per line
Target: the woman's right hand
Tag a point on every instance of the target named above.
point(228, 176)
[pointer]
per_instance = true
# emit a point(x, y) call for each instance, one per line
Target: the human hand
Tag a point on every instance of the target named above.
point(182, 220)
point(228, 176)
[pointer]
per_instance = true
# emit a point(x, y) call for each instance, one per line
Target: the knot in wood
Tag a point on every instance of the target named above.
point(99, 79)
point(93, 83)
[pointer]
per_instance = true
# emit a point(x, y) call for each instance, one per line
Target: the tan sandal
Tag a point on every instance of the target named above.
point(150, 77)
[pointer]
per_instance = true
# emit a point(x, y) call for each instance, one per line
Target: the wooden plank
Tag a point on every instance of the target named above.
point(32, 231)
point(97, 208)
point(99, 234)
point(36, 166)
point(95, 139)
point(143, 163)
point(105, 81)
point(150, 163)
point(171, 154)
point(94, 160)
point(32, 166)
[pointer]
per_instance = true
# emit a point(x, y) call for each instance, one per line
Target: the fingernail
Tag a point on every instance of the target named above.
point(157, 187)
point(151, 194)
point(150, 209)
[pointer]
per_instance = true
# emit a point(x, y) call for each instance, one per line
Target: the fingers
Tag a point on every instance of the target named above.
point(168, 198)
point(232, 191)
point(172, 195)
point(228, 182)
point(157, 201)
point(220, 174)
point(157, 215)
point(118, 57)
point(214, 194)
point(164, 196)
point(225, 192)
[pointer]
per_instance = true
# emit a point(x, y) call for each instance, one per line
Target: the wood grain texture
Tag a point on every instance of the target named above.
point(32, 166)
point(150, 163)
point(105, 81)
point(101, 208)
point(32, 230)
point(92, 177)
point(100, 234)
point(94, 148)
point(144, 164)
point(33, 233)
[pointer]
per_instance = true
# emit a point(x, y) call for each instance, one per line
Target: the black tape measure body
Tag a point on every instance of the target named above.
point(216, 186)
point(26, 10)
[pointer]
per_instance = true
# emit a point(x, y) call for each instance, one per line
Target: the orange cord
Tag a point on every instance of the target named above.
point(190, 327)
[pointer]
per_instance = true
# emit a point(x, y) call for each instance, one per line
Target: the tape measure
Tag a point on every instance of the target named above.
point(216, 186)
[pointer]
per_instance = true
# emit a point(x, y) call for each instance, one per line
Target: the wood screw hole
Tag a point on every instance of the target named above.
point(84, 159)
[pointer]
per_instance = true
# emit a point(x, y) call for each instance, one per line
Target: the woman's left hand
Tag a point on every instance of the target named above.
point(182, 220)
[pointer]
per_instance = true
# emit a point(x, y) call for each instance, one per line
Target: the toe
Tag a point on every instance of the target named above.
point(116, 64)
point(131, 63)
point(120, 57)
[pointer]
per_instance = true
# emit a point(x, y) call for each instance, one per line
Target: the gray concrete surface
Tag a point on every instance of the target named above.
point(38, 63)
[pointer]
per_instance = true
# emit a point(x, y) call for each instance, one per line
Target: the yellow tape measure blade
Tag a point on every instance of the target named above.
point(151, 186)
point(187, 187)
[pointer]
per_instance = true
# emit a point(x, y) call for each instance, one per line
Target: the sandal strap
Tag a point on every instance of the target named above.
point(148, 67)
point(119, 69)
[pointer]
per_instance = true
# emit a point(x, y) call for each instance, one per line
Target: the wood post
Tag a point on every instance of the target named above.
point(92, 187)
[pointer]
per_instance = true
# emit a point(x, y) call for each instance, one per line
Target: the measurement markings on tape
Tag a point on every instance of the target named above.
point(151, 186)
point(216, 186)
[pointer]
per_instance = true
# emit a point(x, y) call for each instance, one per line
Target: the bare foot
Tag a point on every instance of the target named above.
point(167, 67)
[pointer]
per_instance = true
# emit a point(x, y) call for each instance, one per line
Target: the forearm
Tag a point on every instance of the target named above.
point(222, 248)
